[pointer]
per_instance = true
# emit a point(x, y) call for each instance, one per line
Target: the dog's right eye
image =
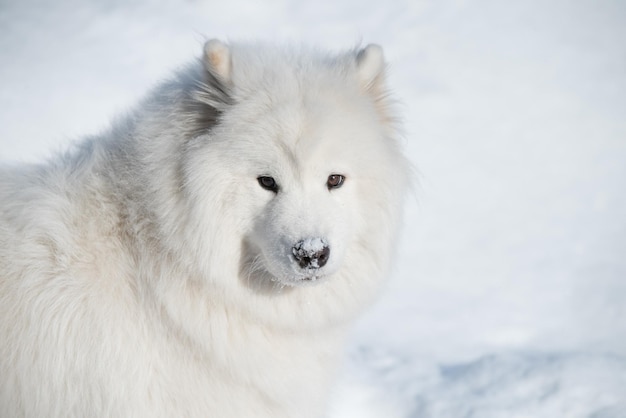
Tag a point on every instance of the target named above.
point(268, 183)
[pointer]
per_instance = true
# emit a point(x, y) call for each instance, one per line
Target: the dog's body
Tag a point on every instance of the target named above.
point(204, 257)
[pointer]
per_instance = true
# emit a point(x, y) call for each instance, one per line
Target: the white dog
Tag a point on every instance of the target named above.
point(204, 257)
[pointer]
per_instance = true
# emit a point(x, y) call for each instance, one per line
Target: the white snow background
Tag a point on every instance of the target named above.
point(509, 294)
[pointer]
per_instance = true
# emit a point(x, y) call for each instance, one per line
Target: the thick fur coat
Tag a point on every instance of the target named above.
point(203, 257)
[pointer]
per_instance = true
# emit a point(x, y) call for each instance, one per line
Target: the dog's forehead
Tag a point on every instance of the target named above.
point(322, 122)
point(309, 121)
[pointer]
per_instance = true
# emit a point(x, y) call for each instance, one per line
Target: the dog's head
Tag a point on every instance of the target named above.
point(297, 175)
point(309, 138)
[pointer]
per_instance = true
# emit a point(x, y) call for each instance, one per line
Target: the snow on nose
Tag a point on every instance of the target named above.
point(311, 253)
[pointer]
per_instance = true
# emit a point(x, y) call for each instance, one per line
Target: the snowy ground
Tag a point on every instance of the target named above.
point(509, 297)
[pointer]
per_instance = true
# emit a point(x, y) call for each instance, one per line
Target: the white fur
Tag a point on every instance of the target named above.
point(146, 273)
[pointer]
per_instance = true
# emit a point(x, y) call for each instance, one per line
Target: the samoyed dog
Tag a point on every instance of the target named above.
point(205, 256)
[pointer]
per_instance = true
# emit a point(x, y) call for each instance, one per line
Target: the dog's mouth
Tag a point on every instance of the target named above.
point(308, 280)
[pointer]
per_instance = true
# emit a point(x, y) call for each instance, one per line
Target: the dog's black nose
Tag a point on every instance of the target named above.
point(311, 253)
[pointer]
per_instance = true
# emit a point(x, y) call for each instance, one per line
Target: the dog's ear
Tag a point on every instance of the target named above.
point(209, 92)
point(370, 63)
point(215, 86)
point(216, 60)
point(370, 66)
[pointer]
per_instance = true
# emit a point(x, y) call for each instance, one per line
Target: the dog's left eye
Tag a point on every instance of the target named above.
point(268, 183)
point(335, 181)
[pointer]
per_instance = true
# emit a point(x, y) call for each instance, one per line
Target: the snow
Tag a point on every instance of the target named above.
point(309, 246)
point(509, 293)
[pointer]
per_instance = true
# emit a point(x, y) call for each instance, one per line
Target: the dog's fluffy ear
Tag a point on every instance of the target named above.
point(370, 66)
point(214, 88)
point(216, 59)
point(209, 92)
point(370, 63)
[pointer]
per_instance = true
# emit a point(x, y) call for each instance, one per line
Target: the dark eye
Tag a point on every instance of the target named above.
point(335, 181)
point(268, 183)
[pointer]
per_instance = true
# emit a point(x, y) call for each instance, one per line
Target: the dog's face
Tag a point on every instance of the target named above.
point(304, 179)
point(304, 165)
